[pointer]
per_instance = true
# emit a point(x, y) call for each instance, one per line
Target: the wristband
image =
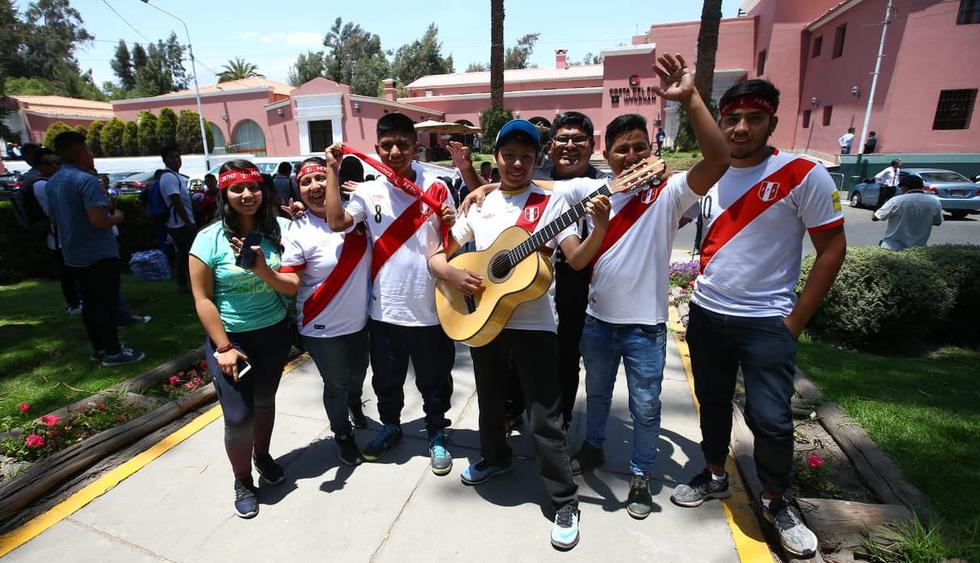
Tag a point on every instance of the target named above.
point(224, 348)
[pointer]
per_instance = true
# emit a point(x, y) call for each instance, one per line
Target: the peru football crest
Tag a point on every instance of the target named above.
point(769, 191)
point(531, 214)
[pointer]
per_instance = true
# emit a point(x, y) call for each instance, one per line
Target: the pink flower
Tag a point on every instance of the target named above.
point(100, 406)
point(24, 407)
point(50, 420)
point(174, 380)
point(34, 441)
point(814, 461)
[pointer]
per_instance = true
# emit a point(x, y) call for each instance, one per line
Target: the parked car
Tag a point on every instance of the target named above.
point(957, 194)
point(134, 183)
point(10, 182)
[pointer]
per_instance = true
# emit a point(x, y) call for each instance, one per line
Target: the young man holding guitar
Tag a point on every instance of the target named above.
point(627, 307)
point(529, 339)
point(404, 232)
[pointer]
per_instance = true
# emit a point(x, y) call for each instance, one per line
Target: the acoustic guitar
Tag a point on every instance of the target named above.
point(514, 271)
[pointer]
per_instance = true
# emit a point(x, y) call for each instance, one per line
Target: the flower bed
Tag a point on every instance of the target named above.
point(682, 276)
point(181, 382)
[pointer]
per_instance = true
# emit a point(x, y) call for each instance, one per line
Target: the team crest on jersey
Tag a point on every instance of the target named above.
point(769, 191)
point(531, 214)
point(647, 195)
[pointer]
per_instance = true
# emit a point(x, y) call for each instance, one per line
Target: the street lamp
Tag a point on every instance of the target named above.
point(197, 92)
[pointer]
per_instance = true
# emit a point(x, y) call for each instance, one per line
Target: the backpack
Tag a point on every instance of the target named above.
point(28, 211)
point(156, 205)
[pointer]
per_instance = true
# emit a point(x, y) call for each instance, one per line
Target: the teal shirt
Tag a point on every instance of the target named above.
point(244, 301)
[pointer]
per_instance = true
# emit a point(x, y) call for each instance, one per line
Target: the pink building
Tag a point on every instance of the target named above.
point(30, 116)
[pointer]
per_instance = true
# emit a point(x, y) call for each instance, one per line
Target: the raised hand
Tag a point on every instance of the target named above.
point(678, 81)
point(460, 154)
point(294, 208)
point(333, 155)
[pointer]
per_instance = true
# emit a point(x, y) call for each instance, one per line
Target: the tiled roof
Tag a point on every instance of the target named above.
point(243, 84)
point(580, 72)
point(64, 106)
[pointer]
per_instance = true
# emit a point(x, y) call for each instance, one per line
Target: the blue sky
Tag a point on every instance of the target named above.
point(271, 37)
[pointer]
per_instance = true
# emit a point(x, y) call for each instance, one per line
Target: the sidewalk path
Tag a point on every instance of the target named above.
point(179, 506)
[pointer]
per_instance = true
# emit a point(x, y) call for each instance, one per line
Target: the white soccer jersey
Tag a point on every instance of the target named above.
point(629, 280)
point(403, 291)
point(754, 221)
point(501, 210)
point(313, 250)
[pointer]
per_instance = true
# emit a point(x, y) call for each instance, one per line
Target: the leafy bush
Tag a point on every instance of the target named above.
point(882, 296)
point(959, 267)
point(112, 137)
point(94, 138)
point(167, 128)
point(147, 135)
point(491, 121)
point(130, 139)
point(56, 128)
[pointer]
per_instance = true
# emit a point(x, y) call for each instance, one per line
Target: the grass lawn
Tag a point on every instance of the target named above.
point(923, 412)
point(44, 359)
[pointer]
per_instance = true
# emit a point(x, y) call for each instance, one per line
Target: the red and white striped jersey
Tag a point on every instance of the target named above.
point(754, 220)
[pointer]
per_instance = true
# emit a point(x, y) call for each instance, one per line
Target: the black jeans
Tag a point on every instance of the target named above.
point(183, 239)
point(342, 362)
point(535, 357)
point(432, 354)
point(100, 294)
point(764, 348)
point(571, 300)
point(69, 286)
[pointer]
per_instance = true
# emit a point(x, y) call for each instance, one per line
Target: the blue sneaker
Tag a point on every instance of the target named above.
point(481, 472)
point(441, 459)
point(564, 533)
point(246, 504)
point(390, 435)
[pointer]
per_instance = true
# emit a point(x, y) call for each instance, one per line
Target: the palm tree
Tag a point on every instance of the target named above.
point(707, 47)
point(237, 69)
point(497, 55)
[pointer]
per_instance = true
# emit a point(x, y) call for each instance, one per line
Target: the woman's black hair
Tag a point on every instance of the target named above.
point(265, 217)
point(351, 169)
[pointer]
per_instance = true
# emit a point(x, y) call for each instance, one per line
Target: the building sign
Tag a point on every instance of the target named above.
point(635, 93)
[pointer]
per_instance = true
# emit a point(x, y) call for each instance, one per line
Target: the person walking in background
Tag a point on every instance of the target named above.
point(871, 143)
point(846, 141)
point(659, 138)
point(245, 321)
point(911, 216)
point(84, 219)
point(180, 221)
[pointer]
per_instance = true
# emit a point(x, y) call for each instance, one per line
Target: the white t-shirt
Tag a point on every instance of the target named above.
point(499, 211)
point(753, 274)
point(173, 183)
point(403, 292)
point(888, 177)
point(911, 217)
point(629, 281)
point(312, 250)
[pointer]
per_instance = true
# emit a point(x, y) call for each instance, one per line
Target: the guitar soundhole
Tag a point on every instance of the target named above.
point(500, 267)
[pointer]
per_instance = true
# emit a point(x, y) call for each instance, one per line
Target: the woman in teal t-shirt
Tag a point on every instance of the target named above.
point(245, 320)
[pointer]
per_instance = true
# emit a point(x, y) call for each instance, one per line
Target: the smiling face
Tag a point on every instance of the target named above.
point(628, 148)
point(312, 190)
point(245, 198)
point(570, 150)
point(747, 132)
point(515, 160)
point(397, 150)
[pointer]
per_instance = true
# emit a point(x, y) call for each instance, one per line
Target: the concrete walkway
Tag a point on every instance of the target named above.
point(179, 506)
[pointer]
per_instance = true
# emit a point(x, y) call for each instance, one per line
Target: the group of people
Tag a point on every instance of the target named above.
point(846, 142)
point(363, 265)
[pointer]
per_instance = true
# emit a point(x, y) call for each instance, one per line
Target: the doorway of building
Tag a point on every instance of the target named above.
point(321, 135)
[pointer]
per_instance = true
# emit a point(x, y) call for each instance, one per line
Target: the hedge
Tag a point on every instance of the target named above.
point(24, 254)
point(883, 297)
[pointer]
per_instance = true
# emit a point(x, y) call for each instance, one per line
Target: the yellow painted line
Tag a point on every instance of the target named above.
point(34, 527)
point(749, 541)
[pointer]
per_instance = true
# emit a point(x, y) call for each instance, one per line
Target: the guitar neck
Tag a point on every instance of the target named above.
point(551, 230)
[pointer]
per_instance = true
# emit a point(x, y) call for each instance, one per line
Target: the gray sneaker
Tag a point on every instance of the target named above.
point(441, 459)
point(795, 537)
point(700, 489)
point(125, 356)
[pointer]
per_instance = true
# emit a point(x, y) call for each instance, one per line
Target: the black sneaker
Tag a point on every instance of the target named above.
point(349, 453)
point(794, 536)
point(357, 418)
point(639, 503)
point(588, 458)
point(269, 470)
point(390, 435)
point(701, 488)
point(246, 503)
point(125, 356)
point(565, 530)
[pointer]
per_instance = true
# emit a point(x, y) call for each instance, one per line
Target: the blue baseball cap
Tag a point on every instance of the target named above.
point(518, 126)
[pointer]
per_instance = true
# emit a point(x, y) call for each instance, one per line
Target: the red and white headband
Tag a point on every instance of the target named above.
point(311, 168)
point(749, 102)
point(235, 177)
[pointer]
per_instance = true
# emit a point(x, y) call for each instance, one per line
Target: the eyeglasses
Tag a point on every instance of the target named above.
point(577, 140)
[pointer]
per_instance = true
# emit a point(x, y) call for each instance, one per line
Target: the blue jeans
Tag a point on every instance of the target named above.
point(643, 350)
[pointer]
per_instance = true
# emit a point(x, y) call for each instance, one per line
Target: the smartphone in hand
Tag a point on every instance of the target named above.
point(246, 258)
point(243, 367)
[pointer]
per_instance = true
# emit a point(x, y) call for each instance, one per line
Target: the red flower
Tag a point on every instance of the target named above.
point(24, 407)
point(100, 406)
point(814, 461)
point(34, 441)
point(174, 380)
point(50, 420)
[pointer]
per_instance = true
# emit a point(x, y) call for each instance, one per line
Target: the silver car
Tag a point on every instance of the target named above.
point(957, 194)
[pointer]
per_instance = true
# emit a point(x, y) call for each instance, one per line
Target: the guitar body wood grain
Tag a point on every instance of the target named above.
point(495, 304)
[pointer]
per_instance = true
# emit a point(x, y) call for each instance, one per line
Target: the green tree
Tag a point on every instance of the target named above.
point(166, 128)
point(421, 57)
point(35, 86)
point(130, 139)
point(56, 128)
point(139, 58)
point(368, 75)
point(348, 48)
point(237, 69)
point(519, 55)
point(173, 56)
point(154, 77)
point(147, 136)
point(189, 133)
point(94, 138)
point(496, 57)
point(112, 137)
point(80, 129)
point(122, 66)
point(491, 121)
point(477, 67)
point(308, 66)
point(9, 40)
point(49, 34)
